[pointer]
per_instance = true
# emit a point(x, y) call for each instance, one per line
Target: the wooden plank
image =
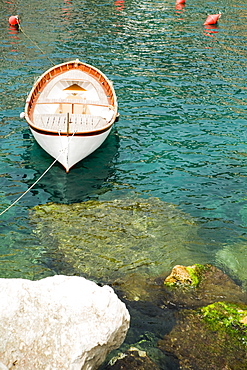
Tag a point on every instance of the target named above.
point(71, 101)
point(77, 122)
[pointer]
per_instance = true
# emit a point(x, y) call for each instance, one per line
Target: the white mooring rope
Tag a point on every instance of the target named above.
point(17, 200)
point(43, 174)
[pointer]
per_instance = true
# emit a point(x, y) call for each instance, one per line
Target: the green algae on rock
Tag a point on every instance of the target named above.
point(186, 275)
point(104, 240)
point(210, 285)
point(212, 337)
point(226, 315)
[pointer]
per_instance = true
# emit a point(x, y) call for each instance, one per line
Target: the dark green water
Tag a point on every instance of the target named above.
point(181, 137)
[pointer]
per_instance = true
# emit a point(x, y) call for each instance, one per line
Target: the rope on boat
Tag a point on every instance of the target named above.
point(29, 38)
point(43, 174)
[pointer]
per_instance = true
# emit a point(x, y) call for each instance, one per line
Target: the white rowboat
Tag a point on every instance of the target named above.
point(70, 111)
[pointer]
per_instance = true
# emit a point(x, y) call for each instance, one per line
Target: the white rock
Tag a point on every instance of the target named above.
point(3, 367)
point(60, 322)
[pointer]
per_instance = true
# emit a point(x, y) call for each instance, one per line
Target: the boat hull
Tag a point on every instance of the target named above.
point(69, 150)
point(71, 110)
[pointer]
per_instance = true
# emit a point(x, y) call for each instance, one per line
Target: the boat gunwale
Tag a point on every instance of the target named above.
point(54, 71)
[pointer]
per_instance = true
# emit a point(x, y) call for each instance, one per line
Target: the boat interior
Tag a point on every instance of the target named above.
point(75, 100)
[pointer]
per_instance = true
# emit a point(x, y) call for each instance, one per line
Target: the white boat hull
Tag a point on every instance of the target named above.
point(69, 150)
point(70, 111)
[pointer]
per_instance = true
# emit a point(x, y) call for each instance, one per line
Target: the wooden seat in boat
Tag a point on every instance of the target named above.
point(73, 107)
point(78, 122)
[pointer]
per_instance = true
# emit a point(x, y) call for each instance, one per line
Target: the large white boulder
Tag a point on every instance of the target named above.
point(60, 322)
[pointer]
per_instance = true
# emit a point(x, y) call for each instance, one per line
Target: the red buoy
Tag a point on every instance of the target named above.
point(14, 20)
point(212, 19)
point(179, 2)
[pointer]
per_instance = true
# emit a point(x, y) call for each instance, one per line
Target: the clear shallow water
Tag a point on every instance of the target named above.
point(181, 137)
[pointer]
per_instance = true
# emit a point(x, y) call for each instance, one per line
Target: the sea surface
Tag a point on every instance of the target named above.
point(182, 133)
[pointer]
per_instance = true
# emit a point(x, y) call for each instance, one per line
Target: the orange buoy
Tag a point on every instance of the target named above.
point(180, 6)
point(14, 20)
point(212, 19)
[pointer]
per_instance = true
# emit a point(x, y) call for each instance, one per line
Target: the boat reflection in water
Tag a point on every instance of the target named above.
point(85, 180)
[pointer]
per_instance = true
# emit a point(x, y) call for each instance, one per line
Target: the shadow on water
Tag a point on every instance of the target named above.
point(84, 180)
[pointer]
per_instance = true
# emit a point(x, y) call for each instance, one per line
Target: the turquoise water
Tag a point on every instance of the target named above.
point(181, 136)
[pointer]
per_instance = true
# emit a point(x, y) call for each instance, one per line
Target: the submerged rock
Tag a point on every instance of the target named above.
point(199, 285)
point(213, 337)
point(233, 258)
point(105, 240)
point(191, 294)
point(61, 322)
point(186, 286)
point(186, 275)
point(135, 287)
point(132, 359)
